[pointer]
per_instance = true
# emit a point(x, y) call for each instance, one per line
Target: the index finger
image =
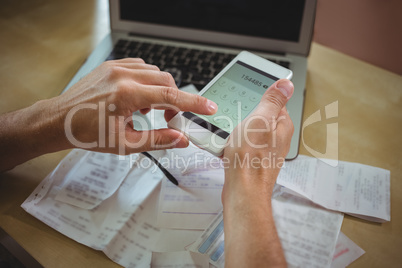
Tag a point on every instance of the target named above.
point(162, 97)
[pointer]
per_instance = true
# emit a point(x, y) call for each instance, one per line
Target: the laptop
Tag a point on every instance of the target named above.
point(195, 39)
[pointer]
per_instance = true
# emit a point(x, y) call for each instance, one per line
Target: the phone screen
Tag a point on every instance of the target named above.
point(237, 92)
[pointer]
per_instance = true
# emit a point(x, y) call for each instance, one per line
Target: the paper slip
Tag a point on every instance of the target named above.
point(197, 200)
point(123, 225)
point(192, 205)
point(308, 233)
point(92, 227)
point(134, 243)
point(352, 188)
point(94, 179)
point(180, 259)
point(360, 190)
point(346, 252)
point(56, 177)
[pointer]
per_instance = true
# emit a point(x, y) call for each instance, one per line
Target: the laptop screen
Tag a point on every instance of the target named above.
point(279, 19)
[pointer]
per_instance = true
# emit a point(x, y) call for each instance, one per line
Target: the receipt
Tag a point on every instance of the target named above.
point(197, 200)
point(346, 252)
point(94, 179)
point(133, 244)
point(360, 190)
point(56, 177)
point(308, 233)
point(92, 227)
point(122, 226)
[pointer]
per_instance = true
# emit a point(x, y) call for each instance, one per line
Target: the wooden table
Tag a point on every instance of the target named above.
point(43, 43)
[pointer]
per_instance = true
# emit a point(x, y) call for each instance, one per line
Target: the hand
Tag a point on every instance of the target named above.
point(262, 141)
point(96, 114)
point(98, 110)
point(255, 153)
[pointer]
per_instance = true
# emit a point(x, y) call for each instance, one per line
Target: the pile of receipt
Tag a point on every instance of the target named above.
point(127, 208)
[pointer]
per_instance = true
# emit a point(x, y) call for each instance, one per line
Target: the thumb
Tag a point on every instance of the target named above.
point(156, 139)
point(275, 98)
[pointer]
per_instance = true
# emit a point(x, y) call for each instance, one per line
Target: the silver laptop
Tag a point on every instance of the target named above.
point(194, 39)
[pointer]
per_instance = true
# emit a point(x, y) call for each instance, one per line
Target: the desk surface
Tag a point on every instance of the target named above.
point(43, 43)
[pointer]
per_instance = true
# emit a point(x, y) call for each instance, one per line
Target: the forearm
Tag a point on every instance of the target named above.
point(30, 132)
point(251, 239)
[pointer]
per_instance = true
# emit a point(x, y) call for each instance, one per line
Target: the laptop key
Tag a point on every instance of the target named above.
point(205, 64)
point(180, 61)
point(188, 66)
point(134, 54)
point(218, 66)
point(206, 72)
point(121, 43)
point(133, 44)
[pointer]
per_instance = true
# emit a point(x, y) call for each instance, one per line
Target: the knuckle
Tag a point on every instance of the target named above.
point(121, 90)
point(158, 142)
point(107, 66)
point(167, 78)
point(199, 101)
point(113, 71)
point(170, 95)
point(139, 60)
point(108, 63)
point(154, 67)
point(161, 142)
point(289, 125)
point(277, 101)
point(292, 128)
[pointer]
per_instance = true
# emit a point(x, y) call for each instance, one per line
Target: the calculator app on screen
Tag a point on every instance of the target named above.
point(236, 93)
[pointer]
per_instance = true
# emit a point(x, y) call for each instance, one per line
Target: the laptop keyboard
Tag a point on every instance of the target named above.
point(187, 66)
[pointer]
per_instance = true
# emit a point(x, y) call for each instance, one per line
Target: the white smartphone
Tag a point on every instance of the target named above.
point(237, 90)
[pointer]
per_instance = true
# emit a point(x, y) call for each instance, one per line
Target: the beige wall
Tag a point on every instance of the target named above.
point(370, 30)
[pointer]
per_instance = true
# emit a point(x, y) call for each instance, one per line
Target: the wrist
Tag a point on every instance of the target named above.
point(47, 126)
point(30, 132)
point(41, 128)
point(243, 188)
point(259, 180)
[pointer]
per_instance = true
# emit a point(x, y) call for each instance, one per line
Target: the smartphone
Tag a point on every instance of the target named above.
point(237, 90)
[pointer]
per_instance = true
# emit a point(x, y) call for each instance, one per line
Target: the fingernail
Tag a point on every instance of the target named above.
point(212, 106)
point(285, 86)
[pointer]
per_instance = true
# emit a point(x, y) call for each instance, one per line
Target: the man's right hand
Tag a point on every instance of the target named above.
point(254, 155)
